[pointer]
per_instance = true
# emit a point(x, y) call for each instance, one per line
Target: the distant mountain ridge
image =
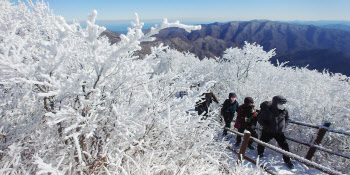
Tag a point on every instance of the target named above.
point(337, 26)
point(299, 44)
point(340, 25)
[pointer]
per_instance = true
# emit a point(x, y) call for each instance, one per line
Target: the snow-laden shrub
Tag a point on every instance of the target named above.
point(72, 103)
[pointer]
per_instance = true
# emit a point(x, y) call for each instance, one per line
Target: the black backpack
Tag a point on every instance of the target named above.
point(264, 108)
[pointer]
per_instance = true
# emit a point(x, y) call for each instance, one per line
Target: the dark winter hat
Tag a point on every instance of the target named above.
point(278, 99)
point(248, 100)
point(231, 94)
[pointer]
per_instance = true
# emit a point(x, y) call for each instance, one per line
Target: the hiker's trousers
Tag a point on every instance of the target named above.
point(279, 137)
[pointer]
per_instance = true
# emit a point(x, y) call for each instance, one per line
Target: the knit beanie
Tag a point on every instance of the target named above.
point(248, 100)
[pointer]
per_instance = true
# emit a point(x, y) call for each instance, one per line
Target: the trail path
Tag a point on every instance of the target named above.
point(271, 159)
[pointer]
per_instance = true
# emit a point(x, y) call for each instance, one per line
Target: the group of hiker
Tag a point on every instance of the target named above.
point(272, 116)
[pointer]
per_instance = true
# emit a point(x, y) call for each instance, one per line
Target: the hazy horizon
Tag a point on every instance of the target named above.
point(120, 26)
point(204, 10)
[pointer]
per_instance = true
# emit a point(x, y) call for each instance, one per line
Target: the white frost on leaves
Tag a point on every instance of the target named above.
point(166, 24)
point(45, 168)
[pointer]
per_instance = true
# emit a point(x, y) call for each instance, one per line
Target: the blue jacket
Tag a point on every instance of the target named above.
point(228, 109)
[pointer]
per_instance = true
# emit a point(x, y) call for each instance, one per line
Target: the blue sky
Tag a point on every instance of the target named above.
point(204, 10)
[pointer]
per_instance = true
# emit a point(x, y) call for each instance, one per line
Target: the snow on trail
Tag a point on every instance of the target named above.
point(271, 159)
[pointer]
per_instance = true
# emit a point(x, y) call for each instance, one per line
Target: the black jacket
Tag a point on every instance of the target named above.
point(272, 119)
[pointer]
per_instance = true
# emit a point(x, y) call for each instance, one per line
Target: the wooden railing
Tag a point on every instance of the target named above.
point(307, 160)
point(315, 145)
point(318, 127)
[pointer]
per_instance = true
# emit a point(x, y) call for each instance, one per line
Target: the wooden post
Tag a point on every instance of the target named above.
point(244, 145)
point(320, 135)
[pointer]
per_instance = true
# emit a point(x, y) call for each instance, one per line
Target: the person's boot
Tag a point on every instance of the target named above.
point(224, 133)
point(237, 144)
point(260, 155)
point(289, 164)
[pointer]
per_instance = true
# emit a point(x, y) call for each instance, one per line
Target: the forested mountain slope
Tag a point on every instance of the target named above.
point(300, 44)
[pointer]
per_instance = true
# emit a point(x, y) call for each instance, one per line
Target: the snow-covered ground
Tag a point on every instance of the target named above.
point(271, 159)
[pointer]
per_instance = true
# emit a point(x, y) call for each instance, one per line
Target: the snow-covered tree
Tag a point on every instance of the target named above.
point(246, 59)
point(72, 103)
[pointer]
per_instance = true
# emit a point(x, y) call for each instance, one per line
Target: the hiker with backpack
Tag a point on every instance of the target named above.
point(273, 117)
point(204, 103)
point(246, 120)
point(229, 107)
